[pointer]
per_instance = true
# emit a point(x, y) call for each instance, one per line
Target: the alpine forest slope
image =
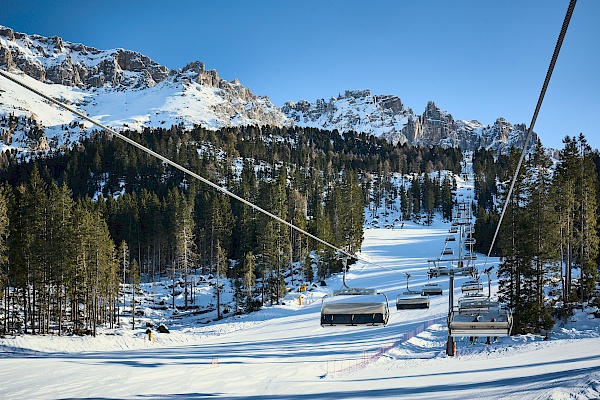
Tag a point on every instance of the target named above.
point(548, 242)
point(127, 90)
point(156, 224)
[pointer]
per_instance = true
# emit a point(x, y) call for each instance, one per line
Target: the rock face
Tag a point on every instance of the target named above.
point(385, 116)
point(51, 60)
point(356, 110)
point(152, 95)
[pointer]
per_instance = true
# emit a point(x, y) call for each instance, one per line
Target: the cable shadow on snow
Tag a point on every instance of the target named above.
point(521, 387)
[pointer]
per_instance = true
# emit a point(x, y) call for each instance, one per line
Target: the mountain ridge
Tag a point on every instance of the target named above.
point(125, 89)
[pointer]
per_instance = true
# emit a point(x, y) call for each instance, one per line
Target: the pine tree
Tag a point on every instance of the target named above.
point(36, 203)
point(587, 235)
point(135, 286)
point(220, 271)
point(415, 190)
point(4, 266)
point(515, 256)
point(60, 246)
point(123, 257)
point(184, 242)
point(542, 237)
point(576, 193)
point(447, 204)
point(249, 278)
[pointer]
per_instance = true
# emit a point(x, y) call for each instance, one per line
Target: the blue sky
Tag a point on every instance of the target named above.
point(476, 59)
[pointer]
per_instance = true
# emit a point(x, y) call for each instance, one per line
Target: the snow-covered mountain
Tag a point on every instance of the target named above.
point(385, 116)
point(127, 90)
point(120, 88)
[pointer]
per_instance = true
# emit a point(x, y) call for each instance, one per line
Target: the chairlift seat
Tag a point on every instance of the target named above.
point(355, 307)
point(411, 303)
point(471, 286)
point(447, 251)
point(431, 289)
point(493, 320)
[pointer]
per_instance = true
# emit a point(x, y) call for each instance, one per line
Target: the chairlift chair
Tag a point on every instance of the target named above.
point(431, 289)
point(411, 303)
point(438, 270)
point(447, 251)
point(353, 306)
point(478, 315)
point(472, 286)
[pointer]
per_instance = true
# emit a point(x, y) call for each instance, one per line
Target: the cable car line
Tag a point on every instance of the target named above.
point(559, 43)
point(179, 167)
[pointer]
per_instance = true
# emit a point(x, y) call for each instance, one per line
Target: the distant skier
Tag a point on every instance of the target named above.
point(150, 334)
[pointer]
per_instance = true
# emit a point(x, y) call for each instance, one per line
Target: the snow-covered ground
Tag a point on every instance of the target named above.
point(282, 352)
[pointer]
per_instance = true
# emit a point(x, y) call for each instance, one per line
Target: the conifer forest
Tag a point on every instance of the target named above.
point(78, 224)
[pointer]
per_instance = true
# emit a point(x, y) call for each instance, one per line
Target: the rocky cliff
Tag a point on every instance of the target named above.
point(385, 116)
point(122, 88)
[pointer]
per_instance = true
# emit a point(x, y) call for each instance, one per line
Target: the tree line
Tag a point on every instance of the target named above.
point(548, 241)
point(80, 222)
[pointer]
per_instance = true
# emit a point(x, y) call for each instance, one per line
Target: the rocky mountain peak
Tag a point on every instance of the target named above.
point(93, 79)
point(385, 116)
point(53, 60)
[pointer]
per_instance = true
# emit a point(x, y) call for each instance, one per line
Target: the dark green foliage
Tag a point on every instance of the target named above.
point(171, 225)
point(550, 228)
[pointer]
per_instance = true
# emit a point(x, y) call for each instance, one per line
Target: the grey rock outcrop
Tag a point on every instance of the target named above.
point(192, 95)
point(386, 117)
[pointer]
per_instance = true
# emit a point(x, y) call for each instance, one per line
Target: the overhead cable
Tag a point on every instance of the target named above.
point(559, 43)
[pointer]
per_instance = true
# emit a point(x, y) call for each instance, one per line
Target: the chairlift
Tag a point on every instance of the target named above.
point(431, 289)
point(447, 251)
point(470, 241)
point(450, 238)
point(411, 303)
point(478, 315)
point(354, 306)
point(438, 270)
point(453, 229)
point(472, 286)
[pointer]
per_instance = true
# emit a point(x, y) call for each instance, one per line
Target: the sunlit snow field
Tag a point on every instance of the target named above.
point(282, 352)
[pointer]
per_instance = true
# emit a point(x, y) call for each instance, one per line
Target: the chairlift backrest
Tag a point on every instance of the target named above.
point(355, 292)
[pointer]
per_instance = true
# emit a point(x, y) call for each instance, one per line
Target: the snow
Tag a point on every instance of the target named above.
point(282, 351)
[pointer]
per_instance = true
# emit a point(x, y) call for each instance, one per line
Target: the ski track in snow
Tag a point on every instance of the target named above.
point(282, 352)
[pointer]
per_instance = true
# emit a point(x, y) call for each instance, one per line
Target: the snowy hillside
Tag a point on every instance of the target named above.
point(120, 88)
point(282, 352)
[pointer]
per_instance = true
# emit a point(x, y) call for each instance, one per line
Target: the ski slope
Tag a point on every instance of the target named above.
point(282, 352)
